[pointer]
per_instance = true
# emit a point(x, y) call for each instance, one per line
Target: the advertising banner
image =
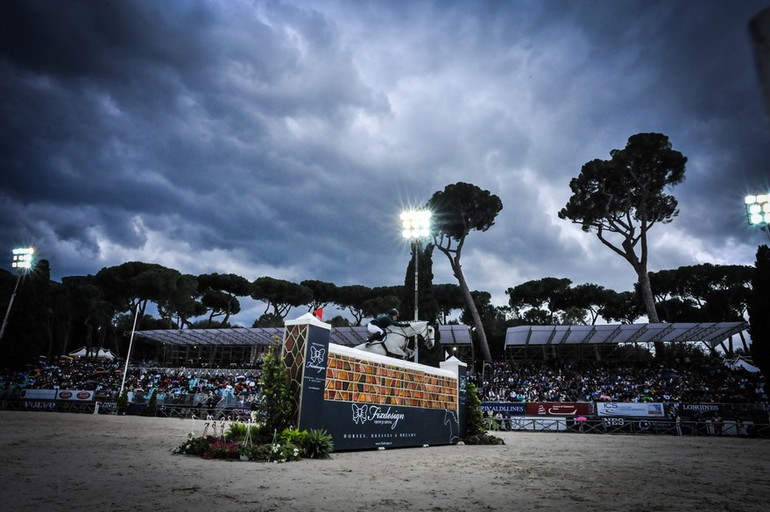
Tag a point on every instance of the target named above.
point(38, 394)
point(373, 401)
point(504, 408)
point(566, 409)
point(630, 409)
point(39, 405)
point(462, 402)
point(75, 395)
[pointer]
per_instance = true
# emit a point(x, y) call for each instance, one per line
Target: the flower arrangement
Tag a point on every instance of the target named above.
point(290, 445)
point(261, 441)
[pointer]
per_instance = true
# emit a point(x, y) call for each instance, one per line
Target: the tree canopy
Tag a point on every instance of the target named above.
point(622, 198)
point(456, 211)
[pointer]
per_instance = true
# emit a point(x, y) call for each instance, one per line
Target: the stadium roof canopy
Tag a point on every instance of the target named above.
point(248, 336)
point(710, 333)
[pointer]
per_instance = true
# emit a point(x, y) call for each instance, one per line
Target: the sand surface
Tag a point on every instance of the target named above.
point(73, 462)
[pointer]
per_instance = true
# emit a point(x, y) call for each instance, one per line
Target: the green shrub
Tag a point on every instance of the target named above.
point(475, 418)
point(284, 453)
point(317, 444)
point(293, 436)
point(274, 385)
point(475, 430)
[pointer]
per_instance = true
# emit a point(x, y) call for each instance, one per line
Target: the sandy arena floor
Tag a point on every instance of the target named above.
point(72, 462)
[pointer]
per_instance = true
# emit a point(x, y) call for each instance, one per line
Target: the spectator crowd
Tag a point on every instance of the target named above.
point(173, 385)
point(706, 381)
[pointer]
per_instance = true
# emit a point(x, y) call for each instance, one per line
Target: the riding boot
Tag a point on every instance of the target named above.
point(375, 336)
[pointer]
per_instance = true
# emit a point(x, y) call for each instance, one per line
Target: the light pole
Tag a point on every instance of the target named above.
point(758, 211)
point(22, 261)
point(415, 226)
point(128, 355)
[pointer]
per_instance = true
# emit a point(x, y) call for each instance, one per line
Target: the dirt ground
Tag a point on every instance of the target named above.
point(73, 462)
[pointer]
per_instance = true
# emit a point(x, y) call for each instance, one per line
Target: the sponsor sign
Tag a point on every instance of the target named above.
point(630, 409)
point(38, 394)
point(613, 422)
point(567, 409)
point(75, 395)
point(690, 409)
point(462, 402)
point(39, 405)
point(362, 426)
point(313, 376)
point(504, 408)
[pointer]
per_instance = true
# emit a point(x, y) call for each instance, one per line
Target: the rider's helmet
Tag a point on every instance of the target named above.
point(392, 312)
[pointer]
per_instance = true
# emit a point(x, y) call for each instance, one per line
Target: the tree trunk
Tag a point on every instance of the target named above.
point(649, 303)
point(647, 296)
point(483, 344)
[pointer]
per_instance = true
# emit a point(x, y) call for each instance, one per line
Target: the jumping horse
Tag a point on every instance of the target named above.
point(396, 342)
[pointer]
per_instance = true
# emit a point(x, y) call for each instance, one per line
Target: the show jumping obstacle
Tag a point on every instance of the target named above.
point(365, 400)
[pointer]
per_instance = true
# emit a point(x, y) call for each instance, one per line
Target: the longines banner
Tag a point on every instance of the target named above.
point(367, 401)
point(690, 409)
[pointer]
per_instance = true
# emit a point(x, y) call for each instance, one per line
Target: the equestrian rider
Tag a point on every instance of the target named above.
point(378, 328)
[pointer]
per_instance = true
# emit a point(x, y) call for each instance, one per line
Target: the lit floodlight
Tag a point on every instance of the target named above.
point(758, 210)
point(22, 258)
point(415, 224)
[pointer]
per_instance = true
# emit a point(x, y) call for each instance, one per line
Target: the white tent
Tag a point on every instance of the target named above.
point(101, 353)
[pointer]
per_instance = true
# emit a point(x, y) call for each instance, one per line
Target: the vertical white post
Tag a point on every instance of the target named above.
point(128, 356)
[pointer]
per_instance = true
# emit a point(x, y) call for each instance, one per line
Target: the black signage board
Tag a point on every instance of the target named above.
point(355, 426)
point(313, 379)
point(462, 394)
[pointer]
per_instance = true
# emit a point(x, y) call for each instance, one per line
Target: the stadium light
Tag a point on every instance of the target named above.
point(415, 225)
point(758, 211)
point(22, 261)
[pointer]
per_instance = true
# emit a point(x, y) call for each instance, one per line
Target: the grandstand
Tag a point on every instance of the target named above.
point(245, 346)
point(602, 342)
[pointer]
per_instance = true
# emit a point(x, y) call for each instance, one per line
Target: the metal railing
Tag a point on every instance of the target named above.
point(618, 425)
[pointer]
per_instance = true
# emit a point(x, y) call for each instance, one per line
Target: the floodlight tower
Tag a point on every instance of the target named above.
point(758, 211)
point(415, 226)
point(22, 262)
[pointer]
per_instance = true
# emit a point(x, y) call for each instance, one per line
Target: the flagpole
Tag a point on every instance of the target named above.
point(128, 356)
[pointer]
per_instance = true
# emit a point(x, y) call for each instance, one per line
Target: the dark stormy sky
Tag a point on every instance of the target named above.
point(283, 139)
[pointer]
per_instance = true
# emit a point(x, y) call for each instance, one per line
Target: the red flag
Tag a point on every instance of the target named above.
point(319, 313)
